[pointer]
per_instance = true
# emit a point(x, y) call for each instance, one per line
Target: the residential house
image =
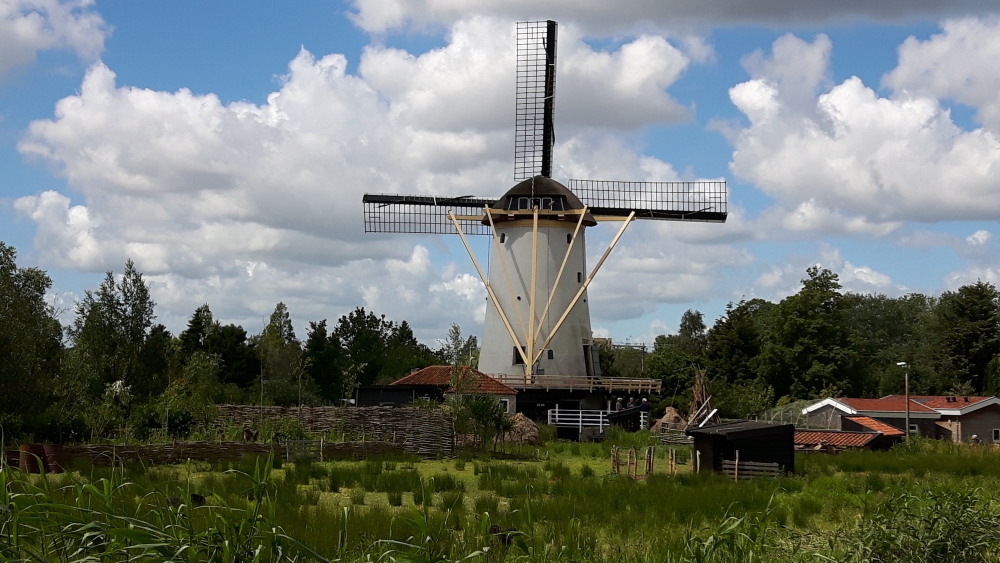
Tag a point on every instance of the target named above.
point(435, 382)
point(942, 417)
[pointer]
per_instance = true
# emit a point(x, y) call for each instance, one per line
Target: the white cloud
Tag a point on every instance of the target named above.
point(30, 26)
point(955, 280)
point(614, 17)
point(851, 157)
point(469, 84)
point(242, 205)
point(778, 281)
point(960, 64)
point(651, 267)
point(979, 237)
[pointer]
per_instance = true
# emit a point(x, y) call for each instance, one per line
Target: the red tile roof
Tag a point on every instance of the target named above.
point(876, 425)
point(440, 376)
point(887, 404)
point(837, 438)
point(942, 401)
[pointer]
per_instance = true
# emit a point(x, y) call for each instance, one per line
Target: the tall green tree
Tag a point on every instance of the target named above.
point(284, 380)
point(736, 339)
point(239, 362)
point(676, 358)
point(365, 337)
point(808, 351)
point(111, 332)
point(458, 350)
point(968, 332)
point(30, 341)
point(324, 358)
point(195, 337)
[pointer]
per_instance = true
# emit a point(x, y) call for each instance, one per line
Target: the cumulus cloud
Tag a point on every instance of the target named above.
point(959, 64)
point(599, 16)
point(469, 84)
point(777, 281)
point(240, 205)
point(30, 26)
point(845, 158)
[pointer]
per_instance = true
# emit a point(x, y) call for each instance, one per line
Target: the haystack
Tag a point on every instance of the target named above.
point(525, 432)
point(672, 419)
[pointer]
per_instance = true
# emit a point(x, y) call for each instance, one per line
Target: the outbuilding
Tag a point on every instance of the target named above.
point(755, 441)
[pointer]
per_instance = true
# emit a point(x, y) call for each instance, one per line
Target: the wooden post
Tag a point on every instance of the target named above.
point(697, 461)
point(322, 442)
point(736, 471)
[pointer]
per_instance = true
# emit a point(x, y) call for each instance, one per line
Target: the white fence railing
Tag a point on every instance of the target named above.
point(586, 418)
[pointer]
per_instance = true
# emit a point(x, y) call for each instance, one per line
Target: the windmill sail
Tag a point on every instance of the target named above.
point(677, 201)
point(534, 131)
point(423, 214)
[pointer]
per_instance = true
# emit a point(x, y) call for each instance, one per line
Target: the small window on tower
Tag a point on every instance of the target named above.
point(518, 360)
point(569, 238)
point(579, 277)
point(551, 355)
point(503, 237)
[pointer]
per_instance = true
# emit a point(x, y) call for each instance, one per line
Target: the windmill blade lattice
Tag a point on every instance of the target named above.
point(534, 131)
point(676, 201)
point(422, 214)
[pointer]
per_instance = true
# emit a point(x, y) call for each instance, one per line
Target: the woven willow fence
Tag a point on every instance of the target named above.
point(425, 432)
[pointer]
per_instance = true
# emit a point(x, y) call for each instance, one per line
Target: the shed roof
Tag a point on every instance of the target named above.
point(837, 438)
point(440, 376)
point(876, 425)
point(741, 429)
point(892, 403)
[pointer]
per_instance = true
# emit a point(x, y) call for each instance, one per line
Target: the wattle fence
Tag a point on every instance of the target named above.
point(428, 433)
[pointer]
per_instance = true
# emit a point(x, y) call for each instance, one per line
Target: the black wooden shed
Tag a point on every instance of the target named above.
point(756, 442)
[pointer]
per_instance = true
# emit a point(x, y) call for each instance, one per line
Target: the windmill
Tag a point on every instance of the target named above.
point(537, 327)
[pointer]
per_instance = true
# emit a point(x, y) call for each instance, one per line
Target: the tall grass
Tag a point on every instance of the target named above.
point(529, 512)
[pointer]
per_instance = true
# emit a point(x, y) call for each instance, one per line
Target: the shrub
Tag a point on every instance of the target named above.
point(488, 503)
point(452, 500)
point(445, 482)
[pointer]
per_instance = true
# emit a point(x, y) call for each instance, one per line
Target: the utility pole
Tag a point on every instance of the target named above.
point(906, 384)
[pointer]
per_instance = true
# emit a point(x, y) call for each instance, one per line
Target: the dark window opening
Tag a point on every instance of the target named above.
point(579, 277)
point(551, 355)
point(518, 360)
point(503, 237)
point(588, 360)
point(569, 238)
point(542, 203)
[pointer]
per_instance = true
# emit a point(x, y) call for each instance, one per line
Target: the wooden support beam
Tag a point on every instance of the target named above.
point(569, 250)
point(506, 272)
point(590, 278)
point(489, 290)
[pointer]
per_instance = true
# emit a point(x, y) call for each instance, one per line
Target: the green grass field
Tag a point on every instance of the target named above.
point(925, 501)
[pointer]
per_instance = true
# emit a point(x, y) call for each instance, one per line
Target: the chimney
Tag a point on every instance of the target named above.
point(966, 399)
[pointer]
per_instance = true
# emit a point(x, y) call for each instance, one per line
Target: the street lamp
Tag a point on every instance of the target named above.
point(906, 380)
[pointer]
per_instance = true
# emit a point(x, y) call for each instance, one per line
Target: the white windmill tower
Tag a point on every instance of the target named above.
point(537, 331)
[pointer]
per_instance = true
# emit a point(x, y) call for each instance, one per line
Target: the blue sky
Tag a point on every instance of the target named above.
point(224, 147)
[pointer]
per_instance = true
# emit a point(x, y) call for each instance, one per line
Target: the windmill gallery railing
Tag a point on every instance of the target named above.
point(580, 382)
point(586, 418)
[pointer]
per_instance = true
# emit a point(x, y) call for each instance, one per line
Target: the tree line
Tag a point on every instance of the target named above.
point(115, 370)
point(824, 342)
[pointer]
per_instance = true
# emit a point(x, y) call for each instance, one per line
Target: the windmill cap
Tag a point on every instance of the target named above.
point(541, 187)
